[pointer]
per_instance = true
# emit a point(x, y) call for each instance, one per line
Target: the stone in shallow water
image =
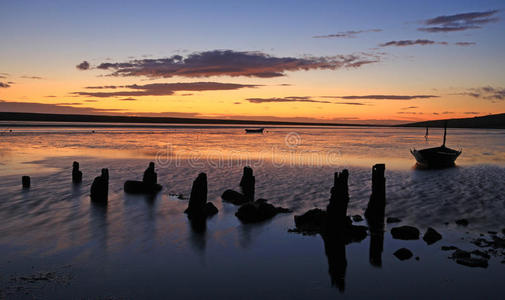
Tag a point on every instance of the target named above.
point(357, 218)
point(258, 211)
point(472, 262)
point(431, 236)
point(403, 254)
point(233, 197)
point(25, 181)
point(462, 222)
point(405, 233)
point(449, 248)
point(392, 220)
point(460, 254)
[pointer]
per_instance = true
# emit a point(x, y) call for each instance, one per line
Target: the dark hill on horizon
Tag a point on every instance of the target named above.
point(496, 121)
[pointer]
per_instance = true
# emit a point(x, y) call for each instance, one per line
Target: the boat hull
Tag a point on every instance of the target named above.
point(438, 157)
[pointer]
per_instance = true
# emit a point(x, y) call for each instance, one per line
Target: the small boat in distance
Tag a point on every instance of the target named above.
point(437, 157)
point(254, 130)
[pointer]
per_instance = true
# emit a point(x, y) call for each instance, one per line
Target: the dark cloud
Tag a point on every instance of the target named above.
point(61, 108)
point(103, 87)
point(233, 63)
point(31, 77)
point(410, 107)
point(186, 94)
point(50, 96)
point(471, 113)
point(350, 103)
point(460, 22)
point(465, 44)
point(487, 92)
point(285, 99)
point(384, 97)
point(237, 102)
point(164, 89)
point(128, 99)
point(409, 113)
point(404, 43)
point(4, 85)
point(345, 34)
point(83, 66)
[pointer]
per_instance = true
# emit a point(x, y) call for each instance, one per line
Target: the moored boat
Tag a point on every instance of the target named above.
point(436, 157)
point(254, 130)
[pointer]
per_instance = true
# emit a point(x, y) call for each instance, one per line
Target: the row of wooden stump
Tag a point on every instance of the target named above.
point(318, 221)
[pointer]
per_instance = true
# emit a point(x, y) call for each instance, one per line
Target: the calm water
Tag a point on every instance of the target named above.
point(145, 248)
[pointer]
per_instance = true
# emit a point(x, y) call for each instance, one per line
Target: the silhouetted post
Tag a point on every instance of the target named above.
point(76, 174)
point(150, 177)
point(376, 245)
point(100, 187)
point(25, 181)
point(377, 203)
point(337, 209)
point(247, 183)
point(198, 197)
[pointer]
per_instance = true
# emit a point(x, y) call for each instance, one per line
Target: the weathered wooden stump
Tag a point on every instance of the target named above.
point(247, 184)
point(149, 184)
point(377, 203)
point(337, 209)
point(198, 207)
point(100, 187)
point(76, 174)
point(25, 181)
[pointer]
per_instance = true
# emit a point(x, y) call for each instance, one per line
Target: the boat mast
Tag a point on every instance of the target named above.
point(445, 133)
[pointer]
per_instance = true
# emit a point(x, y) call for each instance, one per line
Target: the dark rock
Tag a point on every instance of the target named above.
point(431, 236)
point(462, 222)
point(503, 230)
point(392, 220)
point(481, 254)
point(405, 233)
point(311, 222)
point(247, 184)
point(149, 184)
point(233, 197)
point(257, 211)
point(492, 232)
point(198, 207)
point(460, 254)
point(449, 248)
point(403, 254)
point(25, 181)
point(210, 209)
point(417, 258)
point(100, 187)
point(76, 174)
point(472, 262)
point(357, 218)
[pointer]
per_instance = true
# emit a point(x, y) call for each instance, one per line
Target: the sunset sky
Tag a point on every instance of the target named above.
point(319, 61)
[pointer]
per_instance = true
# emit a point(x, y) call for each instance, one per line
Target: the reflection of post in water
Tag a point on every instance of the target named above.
point(375, 214)
point(198, 232)
point(334, 247)
point(98, 212)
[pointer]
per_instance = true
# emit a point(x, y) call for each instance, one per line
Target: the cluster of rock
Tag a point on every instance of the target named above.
point(250, 210)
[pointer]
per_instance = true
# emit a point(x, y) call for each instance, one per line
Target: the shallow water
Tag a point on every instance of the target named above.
point(137, 247)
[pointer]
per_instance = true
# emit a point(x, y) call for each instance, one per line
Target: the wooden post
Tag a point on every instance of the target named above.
point(337, 209)
point(377, 204)
point(247, 184)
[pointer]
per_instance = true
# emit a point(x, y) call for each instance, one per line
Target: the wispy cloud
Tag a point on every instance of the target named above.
point(460, 22)
point(465, 44)
point(286, 99)
point(31, 77)
point(61, 108)
point(162, 89)
point(128, 99)
point(4, 85)
point(384, 97)
point(83, 66)
point(231, 63)
point(486, 92)
point(345, 34)
point(404, 43)
point(410, 107)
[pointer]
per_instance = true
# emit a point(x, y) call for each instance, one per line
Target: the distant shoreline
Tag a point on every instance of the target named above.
point(496, 121)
